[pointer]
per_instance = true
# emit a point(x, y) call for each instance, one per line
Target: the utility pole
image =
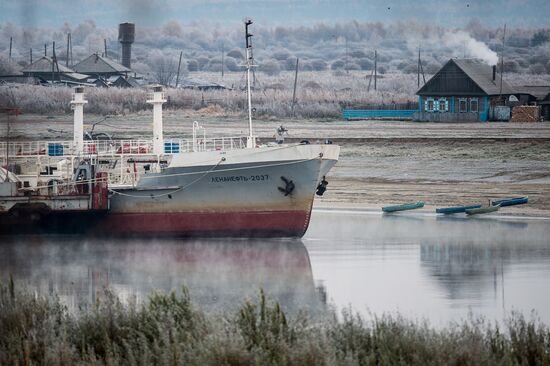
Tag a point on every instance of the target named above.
point(375, 67)
point(502, 59)
point(6, 179)
point(418, 70)
point(105, 46)
point(53, 61)
point(295, 83)
point(347, 57)
point(67, 61)
point(179, 65)
point(11, 40)
point(55, 65)
point(45, 50)
point(223, 51)
point(31, 54)
point(71, 48)
point(370, 79)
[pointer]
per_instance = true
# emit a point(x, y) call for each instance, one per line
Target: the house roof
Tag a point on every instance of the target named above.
point(44, 64)
point(119, 80)
point(482, 74)
point(538, 91)
point(96, 64)
point(479, 72)
point(76, 76)
point(21, 79)
point(200, 84)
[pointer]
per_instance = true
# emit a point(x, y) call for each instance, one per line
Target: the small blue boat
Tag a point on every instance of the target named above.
point(453, 210)
point(511, 201)
point(403, 207)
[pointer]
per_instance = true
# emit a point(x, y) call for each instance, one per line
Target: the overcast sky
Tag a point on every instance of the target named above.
point(108, 13)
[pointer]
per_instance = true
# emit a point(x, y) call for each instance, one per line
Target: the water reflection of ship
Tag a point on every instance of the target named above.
point(219, 274)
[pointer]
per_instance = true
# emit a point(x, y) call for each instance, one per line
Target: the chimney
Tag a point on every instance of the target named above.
point(126, 33)
point(494, 72)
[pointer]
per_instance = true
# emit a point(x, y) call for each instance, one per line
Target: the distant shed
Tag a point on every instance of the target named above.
point(47, 70)
point(462, 90)
point(99, 66)
point(123, 82)
point(191, 83)
point(536, 94)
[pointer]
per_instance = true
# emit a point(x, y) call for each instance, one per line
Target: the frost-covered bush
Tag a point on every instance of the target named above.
point(170, 329)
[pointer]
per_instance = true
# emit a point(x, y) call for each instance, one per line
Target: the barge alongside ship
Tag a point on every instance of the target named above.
point(183, 187)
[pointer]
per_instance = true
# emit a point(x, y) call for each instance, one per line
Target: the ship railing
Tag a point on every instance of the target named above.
point(125, 178)
point(66, 148)
point(223, 143)
point(36, 148)
point(118, 147)
point(204, 144)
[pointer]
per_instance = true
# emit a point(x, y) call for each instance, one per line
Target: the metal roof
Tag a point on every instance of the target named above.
point(480, 73)
point(96, 64)
point(538, 91)
point(44, 64)
point(77, 76)
point(119, 80)
point(200, 84)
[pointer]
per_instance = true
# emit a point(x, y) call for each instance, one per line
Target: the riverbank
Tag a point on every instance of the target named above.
point(170, 329)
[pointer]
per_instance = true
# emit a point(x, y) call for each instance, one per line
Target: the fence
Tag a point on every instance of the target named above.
point(350, 114)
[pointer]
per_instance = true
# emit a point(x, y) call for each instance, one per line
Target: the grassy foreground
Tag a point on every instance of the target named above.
point(170, 330)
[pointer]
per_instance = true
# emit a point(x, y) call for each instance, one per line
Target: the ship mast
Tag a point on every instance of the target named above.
point(251, 140)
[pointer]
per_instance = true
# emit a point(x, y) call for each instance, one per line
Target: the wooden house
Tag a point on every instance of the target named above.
point(101, 67)
point(463, 90)
point(537, 95)
point(46, 69)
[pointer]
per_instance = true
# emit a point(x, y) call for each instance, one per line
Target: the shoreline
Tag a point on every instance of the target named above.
point(426, 211)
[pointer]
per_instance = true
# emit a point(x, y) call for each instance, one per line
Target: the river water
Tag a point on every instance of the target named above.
point(425, 267)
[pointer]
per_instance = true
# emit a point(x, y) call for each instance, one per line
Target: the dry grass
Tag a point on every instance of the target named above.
point(170, 330)
point(326, 101)
point(319, 95)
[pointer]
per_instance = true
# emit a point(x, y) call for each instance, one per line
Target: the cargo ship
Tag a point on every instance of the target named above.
point(223, 186)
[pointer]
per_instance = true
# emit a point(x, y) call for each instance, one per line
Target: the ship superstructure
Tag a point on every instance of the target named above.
point(197, 186)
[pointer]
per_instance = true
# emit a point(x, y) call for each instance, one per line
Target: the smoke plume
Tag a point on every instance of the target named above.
point(464, 45)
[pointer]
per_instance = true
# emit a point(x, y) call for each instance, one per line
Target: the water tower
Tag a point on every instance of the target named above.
point(126, 33)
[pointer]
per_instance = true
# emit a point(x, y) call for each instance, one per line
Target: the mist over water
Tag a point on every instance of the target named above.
point(437, 268)
point(423, 266)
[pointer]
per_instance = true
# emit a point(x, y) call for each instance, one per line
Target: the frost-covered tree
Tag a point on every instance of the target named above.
point(270, 67)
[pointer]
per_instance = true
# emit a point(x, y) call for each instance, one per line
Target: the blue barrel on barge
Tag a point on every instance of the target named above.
point(55, 149)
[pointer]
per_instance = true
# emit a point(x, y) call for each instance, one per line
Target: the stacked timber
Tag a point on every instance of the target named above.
point(526, 113)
